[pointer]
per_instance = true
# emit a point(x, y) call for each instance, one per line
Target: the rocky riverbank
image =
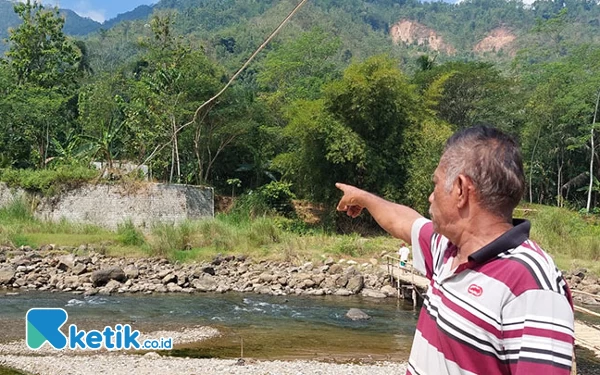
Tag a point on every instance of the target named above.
point(85, 271)
point(92, 273)
point(152, 364)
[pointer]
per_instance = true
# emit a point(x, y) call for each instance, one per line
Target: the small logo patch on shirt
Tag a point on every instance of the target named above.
point(475, 290)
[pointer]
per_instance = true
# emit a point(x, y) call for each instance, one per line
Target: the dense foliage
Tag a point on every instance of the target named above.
point(330, 99)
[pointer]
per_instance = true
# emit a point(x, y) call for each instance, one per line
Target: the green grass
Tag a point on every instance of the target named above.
point(10, 371)
point(571, 238)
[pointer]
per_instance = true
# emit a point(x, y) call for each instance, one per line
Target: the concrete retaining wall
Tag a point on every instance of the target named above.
point(111, 205)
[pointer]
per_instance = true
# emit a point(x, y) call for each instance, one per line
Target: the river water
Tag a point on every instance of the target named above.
point(271, 327)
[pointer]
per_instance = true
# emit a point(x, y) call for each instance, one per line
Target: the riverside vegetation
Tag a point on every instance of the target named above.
point(573, 239)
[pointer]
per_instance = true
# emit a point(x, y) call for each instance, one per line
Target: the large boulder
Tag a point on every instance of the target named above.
point(357, 314)
point(7, 274)
point(355, 283)
point(102, 277)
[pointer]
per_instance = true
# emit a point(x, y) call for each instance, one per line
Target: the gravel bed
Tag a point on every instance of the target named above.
point(187, 335)
point(47, 361)
point(152, 364)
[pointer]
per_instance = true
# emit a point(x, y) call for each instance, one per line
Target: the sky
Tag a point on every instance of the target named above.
point(99, 10)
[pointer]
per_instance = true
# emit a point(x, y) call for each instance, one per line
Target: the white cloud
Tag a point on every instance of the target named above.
point(96, 15)
point(85, 9)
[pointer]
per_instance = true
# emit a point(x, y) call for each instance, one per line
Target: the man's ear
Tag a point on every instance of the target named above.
point(464, 189)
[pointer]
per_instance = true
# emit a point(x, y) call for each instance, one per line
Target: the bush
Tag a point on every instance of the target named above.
point(278, 196)
point(129, 235)
point(48, 181)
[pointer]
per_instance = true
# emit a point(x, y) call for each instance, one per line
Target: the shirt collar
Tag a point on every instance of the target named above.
point(518, 234)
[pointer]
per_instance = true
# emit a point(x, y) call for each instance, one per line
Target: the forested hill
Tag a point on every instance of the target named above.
point(467, 30)
point(364, 92)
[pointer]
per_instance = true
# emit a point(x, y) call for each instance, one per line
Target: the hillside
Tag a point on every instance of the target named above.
point(492, 30)
point(356, 91)
point(488, 29)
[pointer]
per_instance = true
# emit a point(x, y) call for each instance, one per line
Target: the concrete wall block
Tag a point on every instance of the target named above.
point(111, 205)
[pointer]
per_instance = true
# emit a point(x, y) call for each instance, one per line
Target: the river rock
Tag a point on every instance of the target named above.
point(389, 291)
point(6, 275)
point(357, 314)
point(590, 301)
point(66, 262)
point(102, 277)
point(373, 293)
point(131, 272)
point(79, 269)
point(591, 289)
point(343, 292)
point(335, 269)
point(205, 284)
point(355, 284)
point(341, 281)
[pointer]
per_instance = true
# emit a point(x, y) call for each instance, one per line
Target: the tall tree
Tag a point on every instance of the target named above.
point(354, 134)
point(44, 64)
point(171, 80)
point(39, 52)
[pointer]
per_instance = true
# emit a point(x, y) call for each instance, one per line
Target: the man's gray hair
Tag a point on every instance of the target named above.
point(492, 160)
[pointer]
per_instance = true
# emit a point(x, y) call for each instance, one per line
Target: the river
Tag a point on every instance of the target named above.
point(270, 327)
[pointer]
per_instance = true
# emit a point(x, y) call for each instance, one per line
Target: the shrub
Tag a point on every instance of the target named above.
point(129, 235)
point(278, 196)
point(48, 181)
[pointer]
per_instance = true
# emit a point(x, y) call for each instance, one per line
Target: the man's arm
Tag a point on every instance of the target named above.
point(395, 218)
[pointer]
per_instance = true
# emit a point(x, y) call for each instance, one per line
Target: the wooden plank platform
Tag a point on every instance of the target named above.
point(588, 336)
point(407, 276)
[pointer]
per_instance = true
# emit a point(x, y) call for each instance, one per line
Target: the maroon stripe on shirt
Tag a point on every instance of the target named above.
point(512, 273)
point(470, 359)
point(425, 245)
point(538, 332)
point(529, 367)
point(533, 246)
point(466, 314)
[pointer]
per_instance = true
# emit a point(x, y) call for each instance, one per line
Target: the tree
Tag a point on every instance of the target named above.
point(354, 134)
point(39, 52)
point(43, 63)
point(559, 116)
point(171, 80)
point(465, 94)
point(297, 69)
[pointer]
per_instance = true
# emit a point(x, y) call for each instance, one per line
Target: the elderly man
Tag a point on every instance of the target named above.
point(496, 303)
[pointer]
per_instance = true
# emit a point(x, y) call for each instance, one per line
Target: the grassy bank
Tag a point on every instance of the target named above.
point(571, 238)
point(10, 371)
point(263, 237)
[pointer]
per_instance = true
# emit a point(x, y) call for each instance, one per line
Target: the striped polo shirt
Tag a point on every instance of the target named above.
point(508, 310)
